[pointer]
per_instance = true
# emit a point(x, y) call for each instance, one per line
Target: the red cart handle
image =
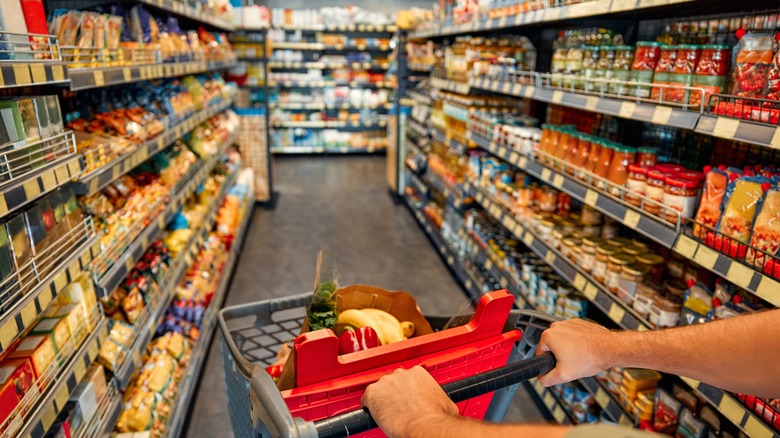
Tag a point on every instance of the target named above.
point(360, 421)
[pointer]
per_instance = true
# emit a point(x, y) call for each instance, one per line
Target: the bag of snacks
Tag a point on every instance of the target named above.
point(750, 72)
point(667, 410)
point(766, 230)
point(711, 202)
point(740, 203)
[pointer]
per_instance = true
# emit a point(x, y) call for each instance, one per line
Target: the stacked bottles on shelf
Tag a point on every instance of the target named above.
point(484, 55)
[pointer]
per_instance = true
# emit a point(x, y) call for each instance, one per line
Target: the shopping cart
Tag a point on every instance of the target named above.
point(253, 333)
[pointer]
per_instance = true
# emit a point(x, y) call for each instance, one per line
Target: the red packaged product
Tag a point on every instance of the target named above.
point(711, 72)
point(662, 70)
point(683, 73)
point(750, 74)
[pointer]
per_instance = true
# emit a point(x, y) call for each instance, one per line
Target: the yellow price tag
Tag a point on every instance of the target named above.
point(731, 409)
point(38, 72)
point(503, 282)
point(557, 181)
point(591, 102)
point(528, 92)
point(740, 275)
point(775, 143)
point(616, 313)
point(558, 414)
point(627, 110)
point(602, 398)
point(22, 74)
point(99, 80)
point(522, 163)
point(661, 115)
point(686, 246)
point(62, 394)
point(550, 257)
point(557, 96)
point(591, 198)
point(755, 428)
point(590, 291)
point(769, 290)
point(7, 333)
point(706, 257)
point(725, 127)
point(528, 238)
point(579, 282)
point(57, 72)
point(631, 219)
point(546, 173)
point(625, 421)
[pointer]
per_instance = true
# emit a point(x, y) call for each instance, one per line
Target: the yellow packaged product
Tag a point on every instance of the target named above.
point(112, 355)
point(135, 419)
point(73, 315)
point(637, 379)
point(39, 349)
point(123, 334)
point(741, 200)
point(56, 328)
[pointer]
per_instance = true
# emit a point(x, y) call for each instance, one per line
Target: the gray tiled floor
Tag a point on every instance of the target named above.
point(339, 203)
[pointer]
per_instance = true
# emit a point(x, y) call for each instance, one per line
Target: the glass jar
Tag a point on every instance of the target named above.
point(643, 300)
point(665, 311)
point(545, 229)
point(552, 145)
point(630, 277)
point(569, 245)
point(581, 161)
point(590, 216)
point(573, 66)
point(596, 144)
point(588, 257)
point(562, 147)
point(654, 189)
point(603, 252)
point(610, 228)
point(645, 60)
point(576, 158)
point(544, 141)
point(647, 156)
point(670, 167)
point(711, 72)
point(558, 66)
point(637, 179)
point(572, 151)
point(567, 226)
point(605, 159)
point(662, 70)
point(617, 173)
point(590, 58)
point(621, 70)
point(676, 266)
point(556, 238)
point(681, 198)
point(547, 199)
point(633, 250)
point(675, 288)
point(618, 242)
point(683, 73)
point(604, 68)
point(655, 267)
point(615, 264)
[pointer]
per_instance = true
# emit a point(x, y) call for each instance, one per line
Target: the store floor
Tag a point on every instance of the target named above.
point(339, 203)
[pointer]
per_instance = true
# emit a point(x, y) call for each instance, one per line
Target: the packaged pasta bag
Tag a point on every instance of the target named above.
point(715, 183)
point(756, 50)
point(765, 236)
point(743, 196)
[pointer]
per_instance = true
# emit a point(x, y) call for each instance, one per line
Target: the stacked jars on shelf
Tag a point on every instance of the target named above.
point(488, 56)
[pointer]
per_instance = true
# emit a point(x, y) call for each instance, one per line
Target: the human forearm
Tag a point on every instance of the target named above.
point(453, 426)
point(739, 354)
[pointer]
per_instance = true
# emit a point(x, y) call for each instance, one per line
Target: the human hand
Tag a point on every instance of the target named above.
point(399, 399)
point(581, 349)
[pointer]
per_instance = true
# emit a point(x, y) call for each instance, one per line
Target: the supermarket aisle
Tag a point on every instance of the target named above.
point(340, 203)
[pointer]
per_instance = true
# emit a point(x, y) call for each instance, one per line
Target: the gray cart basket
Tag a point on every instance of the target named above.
point(251, 335)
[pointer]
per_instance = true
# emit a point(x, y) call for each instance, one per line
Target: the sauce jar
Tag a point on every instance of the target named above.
point(654, 189)
point(621, 70)
point(558, 66)
point(545, 229)
point(662, 71)
point(680, 197)
point(562, 146)
point(665, 311)
point(615, 264)
point(655, 267)
point(556, 238)
point(590, 58)
point(588, 257)
point(643, 300)
point(647, 156)
point(610, 228)
point(570, 246)
point(619, 242)
point(547, 199)
point(572, 152)
point(617, 173)
point(630, 277)
point(635, 184)
point(645, 60)
point(567, 226)
point(574, 59)
point(711, 72)
point(604, 68)
point(596, 144)
point(603, 252)
point(605, 159)
point(581, 162)
point(682, 73)
point(579, 156)
point(634, 250)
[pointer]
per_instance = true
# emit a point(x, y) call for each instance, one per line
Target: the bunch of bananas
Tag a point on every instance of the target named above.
point(387, 327)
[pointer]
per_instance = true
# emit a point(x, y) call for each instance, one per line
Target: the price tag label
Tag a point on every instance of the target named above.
point(627, 110)
point(488, 264)
point(503, 282)
point(550, 257)
point(557, 181)
point(57, 72)
point(625, 421)
point(514, 157)
point(706, 257)
point(775, 143)
point(579, 282)
point(506, 88)
point(616, 313)
point(740, 275)
point(557, 96)
point(769, 290)
point(754, 427)
point(590, 291)
point(558, 414)
point(507, 222)
point(450, 260)
point(38, 72)
point(602, 398)
point(631, 219)
point(591, 198)
point(127, 74)
point(546, 173)
point(686, 246)
point(549, 400)
point(468, 284)
point(48, 416)
point(22, 74)
point(725, 127)
point(522, 163)
point(591, 102)
point(528, 239)
point(99, 80)
point(502, 22)
point(731, 409)
point(62, 394)
point(520, 301)
point(662, 115)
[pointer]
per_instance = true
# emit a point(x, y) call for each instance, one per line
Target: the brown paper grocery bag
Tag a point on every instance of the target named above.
point(397, 303)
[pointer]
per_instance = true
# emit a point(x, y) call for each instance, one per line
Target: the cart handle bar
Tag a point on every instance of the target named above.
point(360, 421)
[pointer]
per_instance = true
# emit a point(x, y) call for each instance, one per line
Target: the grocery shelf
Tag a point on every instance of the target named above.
point(420, 67)
point(80, 247)
point(447, 85)
point(328, 124)
point(182, 10)
point(550, 400)
point(200, 350)
point(32, 73)
point(762, 134)
point(416, 182)
point(386, 28)
point(596, 8)
point(612, 306)
point(731, 408)
point(322, 84)
point(321, 46)
point(625, 108)
point(329, 150)
point(107, 408)
point(421, 98)
point(607, 402)
point(95, 180)
point(454, 195)
point(122, 266)
point(328, 66)
point(323, 106)
point(637, 219)
point(20, 191)
point(53, 400)
point(86, 78)
point(449, 140)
